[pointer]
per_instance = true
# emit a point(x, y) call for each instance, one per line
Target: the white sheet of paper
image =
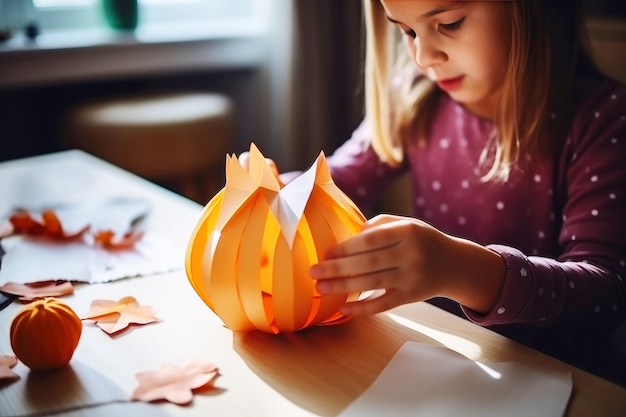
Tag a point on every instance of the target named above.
point(34, 260)
point(423, 380)
point(30, 259)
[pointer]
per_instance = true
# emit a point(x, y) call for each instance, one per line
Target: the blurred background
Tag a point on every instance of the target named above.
point(290, 70)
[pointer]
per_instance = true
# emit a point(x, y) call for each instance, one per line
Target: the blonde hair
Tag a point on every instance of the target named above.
point(548, 50)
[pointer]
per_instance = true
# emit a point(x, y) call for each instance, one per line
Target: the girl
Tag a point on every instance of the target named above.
point(516, 150)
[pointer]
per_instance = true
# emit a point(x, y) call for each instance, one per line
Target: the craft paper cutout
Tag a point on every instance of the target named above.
point(31, 291)
point(113, 246)
point(250, 253)
point(175, 384)
point(6, 363)
point(49, 226)
point(108, 239)
point(115, 316)
point(6, 228)
point(78, 262)
point(112, 224)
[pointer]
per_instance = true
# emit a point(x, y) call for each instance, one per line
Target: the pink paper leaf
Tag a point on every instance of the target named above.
point(175, 384)
point(6, 363)
point(29, 292)
point(115, 316)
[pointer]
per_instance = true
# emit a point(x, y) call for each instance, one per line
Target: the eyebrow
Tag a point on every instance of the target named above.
point(430, 13)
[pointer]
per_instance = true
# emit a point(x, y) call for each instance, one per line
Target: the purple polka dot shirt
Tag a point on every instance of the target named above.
point(559, 224)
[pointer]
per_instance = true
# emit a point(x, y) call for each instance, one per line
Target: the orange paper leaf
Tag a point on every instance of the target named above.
point(31, 291)
point(115, 316)
point(108, 239)
point(6, 363)
point(175, 384)
point(49, 226)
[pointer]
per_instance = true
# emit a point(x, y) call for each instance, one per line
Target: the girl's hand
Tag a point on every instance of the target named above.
point(411, 261)
point(244, 160)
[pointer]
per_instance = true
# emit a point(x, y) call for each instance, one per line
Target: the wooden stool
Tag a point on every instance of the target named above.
point(178, 140)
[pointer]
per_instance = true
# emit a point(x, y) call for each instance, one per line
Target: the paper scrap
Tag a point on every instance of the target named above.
point(29, 292)
point(6, 363)
point(48, 225)
point(115, 316)
point(175, 384)
point(29, 260)
point(96, 241)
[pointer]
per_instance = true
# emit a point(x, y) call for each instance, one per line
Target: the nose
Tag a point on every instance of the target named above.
point(427, 53)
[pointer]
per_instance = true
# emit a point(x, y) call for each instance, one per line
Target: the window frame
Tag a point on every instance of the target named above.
point(16, 14)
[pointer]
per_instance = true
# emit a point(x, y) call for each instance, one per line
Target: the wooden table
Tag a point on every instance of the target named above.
point(318, 371)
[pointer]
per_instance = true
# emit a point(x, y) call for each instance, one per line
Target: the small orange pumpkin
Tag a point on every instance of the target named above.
point(45, 333)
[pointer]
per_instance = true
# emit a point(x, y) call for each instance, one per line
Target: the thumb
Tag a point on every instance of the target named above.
point(244, 160)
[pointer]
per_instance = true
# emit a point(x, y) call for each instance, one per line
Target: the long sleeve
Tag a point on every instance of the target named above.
point(357, 170)
point(584, 284)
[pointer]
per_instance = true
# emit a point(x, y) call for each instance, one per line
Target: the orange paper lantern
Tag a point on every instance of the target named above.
point(250, 253)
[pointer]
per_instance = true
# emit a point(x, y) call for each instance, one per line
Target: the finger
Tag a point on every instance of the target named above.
point(382, 219)
point(244, 160)
point(366, 263)
point(272, 165)
point(380, 237)
point(369, 306)
point(275, 171)
point(356, 284)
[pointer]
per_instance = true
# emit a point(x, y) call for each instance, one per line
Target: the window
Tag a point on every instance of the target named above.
point(61, 3)
point(85, 14)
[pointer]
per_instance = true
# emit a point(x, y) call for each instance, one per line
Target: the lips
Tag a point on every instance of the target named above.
point(451, 84)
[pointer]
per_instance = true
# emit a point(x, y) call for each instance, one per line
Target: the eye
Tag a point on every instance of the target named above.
point(451, 27)
point(407, 31)
point(410, 33)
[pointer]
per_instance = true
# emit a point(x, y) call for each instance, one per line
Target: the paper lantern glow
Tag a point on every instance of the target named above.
point(249, 255)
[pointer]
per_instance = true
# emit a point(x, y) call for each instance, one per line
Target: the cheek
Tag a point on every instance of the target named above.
point(492, 59)
point(501, 48)
point(493, 42)
point(499, 59)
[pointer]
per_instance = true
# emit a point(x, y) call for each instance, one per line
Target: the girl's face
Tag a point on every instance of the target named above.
point(463, 46)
